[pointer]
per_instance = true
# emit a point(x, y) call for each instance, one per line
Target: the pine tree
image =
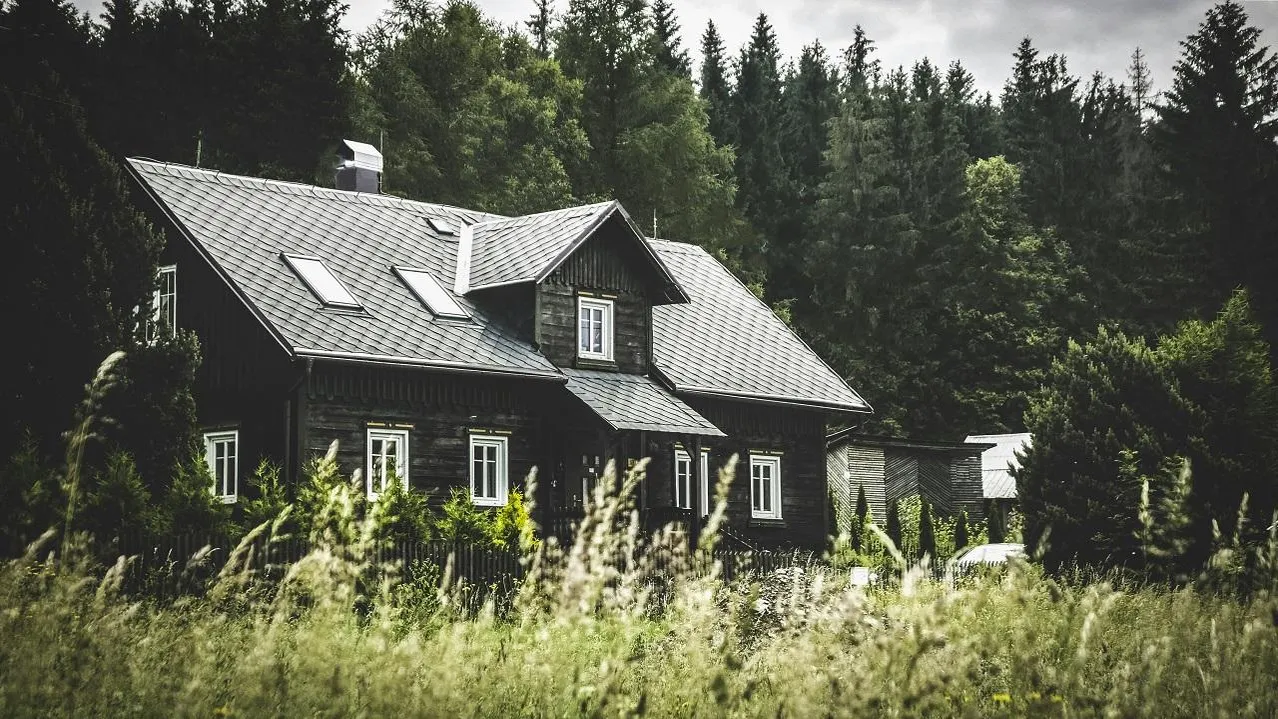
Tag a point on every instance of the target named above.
point(860, 69)
point(927, 533)
point(862, 506)
point(893, 529)
point(961, 539)
point(714, 88)
point(669, 53)
point(539, 26)
point(1216, 138)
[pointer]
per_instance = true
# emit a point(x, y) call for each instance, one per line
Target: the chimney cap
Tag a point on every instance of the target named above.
point(360, 154)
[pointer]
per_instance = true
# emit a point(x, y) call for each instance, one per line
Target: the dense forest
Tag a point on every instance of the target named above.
point(938, 246)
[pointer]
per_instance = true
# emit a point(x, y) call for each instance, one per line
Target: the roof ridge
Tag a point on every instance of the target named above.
point(204, 174)
point(508, 218)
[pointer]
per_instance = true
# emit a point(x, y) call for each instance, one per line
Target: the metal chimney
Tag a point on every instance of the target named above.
point(360, 169)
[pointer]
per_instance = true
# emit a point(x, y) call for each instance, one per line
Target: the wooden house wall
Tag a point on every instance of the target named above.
point(799, 435)
point(440, 411)
point(866, 467)
point(608, 266)
point(934, 481)
point(900, 474)
point(244, 376)
point(842, 495)
point(965, 483)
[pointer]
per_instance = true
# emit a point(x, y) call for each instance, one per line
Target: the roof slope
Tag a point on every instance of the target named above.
point(245, 223)
point(631, 401)
point(518, 249)
point(998, 462)
point(727, 342)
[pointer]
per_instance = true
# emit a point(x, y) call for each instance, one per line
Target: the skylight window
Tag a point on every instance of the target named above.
point(321, 280)
point(442, 226)
point(436, 298)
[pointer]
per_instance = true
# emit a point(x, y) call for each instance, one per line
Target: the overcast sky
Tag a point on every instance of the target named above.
point(1093, 34)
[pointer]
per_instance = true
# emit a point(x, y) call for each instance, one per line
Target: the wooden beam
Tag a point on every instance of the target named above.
point(693, 444)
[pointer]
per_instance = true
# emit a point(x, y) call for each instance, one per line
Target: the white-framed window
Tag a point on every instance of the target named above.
point(321, 281)
point(594, 328)
point(436, 299)
point(387, 459)
point(164, 303)
point(683, 480)
point(222, 454)
point(765, 487)
point(489, 482)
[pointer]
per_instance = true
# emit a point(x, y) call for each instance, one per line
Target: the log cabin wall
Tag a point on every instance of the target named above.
point(244, 376)
point(966, 486)
point(865, 465)
point(606, 266)
point(439, 412)
point(799, 435)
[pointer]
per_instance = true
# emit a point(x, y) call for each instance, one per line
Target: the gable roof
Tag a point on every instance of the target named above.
point(727, 343)
point(244, 224)
point(514, 250)
point(998, 462)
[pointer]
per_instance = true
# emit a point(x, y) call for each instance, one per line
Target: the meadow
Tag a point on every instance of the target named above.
point(601, 629)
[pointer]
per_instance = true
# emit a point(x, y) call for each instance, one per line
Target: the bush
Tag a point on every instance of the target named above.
point(461, 521)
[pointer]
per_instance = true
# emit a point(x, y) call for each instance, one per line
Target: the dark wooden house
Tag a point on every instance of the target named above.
point(946, 474)
point(464, 349)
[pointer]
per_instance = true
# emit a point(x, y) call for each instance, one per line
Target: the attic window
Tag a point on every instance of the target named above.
point(428, 290)
point(321, 280)
point(442, 226)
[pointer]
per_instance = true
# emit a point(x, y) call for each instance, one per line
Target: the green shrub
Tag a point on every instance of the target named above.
point(960, 532)
point(404, 517)
point(513, 527)
point(268, 496)
point(461, 521)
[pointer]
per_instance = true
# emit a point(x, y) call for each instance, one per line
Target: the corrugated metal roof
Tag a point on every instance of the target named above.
point(727, 342)
point(998, 462)
point(630, 401)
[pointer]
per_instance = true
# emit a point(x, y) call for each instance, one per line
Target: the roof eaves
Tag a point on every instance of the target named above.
point(443, 366)
point(764, 398)
point(199, 248)
point(601, 217)
point(973, 448)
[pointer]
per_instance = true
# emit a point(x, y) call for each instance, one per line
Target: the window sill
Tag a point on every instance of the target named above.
point(486, 503)
point(769, 522)
point(591, 363)
point(228, 500)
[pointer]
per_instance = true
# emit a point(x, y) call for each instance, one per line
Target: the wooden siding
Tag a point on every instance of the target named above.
point(244, 376)
point(439, 411)
point(842, 495)
point(606, 265)
point(900, 475)
point(965, 484)
point(866, 466)
point(934, 482)
point(799, 435)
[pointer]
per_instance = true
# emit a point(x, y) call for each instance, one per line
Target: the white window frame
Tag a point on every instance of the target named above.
point(683, 466)
point(606, 309)
point(757, 509)
point(502, 480)
point(157, 297)
point(437, 300)
point(299, 265)
point(219, 486)
point(375, 487)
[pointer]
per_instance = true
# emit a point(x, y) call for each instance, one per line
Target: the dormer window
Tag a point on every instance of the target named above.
point(439, 301)
point(594, 333)
point(322, 282)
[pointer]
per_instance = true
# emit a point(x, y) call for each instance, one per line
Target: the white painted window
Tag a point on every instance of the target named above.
point(594, 328)
point(322, 282)
point(222, 454)
point(164, 303)
point(488, 472)
point(387, 459)
point(765, 487)
point(439, 301)
point(683, 480)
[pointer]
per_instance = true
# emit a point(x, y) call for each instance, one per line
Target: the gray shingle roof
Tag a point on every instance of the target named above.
point(727, 342)
point(724, 342)
point(998, 462)
point(517, 249)
point(630, 401)
point(245, 223)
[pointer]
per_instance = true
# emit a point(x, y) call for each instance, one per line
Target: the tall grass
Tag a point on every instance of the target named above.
point(600, 629)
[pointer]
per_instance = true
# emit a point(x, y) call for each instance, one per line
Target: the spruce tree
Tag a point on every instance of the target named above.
point(927, 533)
point(893, 529)
point(862, 505)
point(714, 88)
point(960, 531)
point(669, 53)
point(539, 27)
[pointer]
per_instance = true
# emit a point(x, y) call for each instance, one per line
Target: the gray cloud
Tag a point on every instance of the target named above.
point(1095, 35)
